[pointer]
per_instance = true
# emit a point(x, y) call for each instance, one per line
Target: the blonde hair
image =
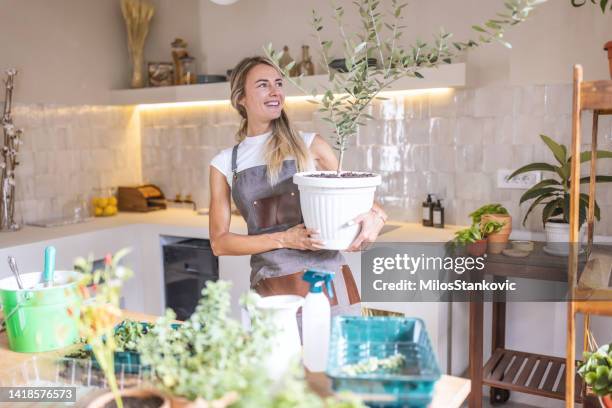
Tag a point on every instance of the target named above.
point(284, 141)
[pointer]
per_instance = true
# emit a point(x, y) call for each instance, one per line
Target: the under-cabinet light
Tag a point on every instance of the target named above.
point(190, 104)
point(408, 92)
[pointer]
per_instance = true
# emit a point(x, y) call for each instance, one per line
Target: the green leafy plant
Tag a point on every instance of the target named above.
point(495, 208)
point(211, 356)
point(491, 227)
point(126, 337)
point(596, 370)
point(468, 235)
point(602, 3)
point(128, 334)
point(100, 291)
point(477, 232)
point(554, 193)
point(344, 102)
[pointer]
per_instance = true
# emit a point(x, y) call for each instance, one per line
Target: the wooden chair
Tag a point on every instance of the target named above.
point(589, 291)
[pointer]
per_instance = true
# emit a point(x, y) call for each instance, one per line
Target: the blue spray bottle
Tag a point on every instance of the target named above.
point(316, 316)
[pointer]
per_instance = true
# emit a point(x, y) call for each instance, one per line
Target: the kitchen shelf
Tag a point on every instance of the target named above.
point(445, 76)
point(528, 373)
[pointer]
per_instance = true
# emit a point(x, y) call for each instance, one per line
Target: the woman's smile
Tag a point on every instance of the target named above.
point(274, 104)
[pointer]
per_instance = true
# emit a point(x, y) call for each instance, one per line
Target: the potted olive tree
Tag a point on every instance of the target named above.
point(331, 200)
point(554, 195)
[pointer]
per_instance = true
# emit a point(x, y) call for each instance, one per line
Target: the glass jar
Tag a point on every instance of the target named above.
point(104, 202)
point(188, 70)
point(76, 210)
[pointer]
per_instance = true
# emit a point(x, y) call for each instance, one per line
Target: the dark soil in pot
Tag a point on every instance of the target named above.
point(137, 402)
point(345, 174)
point(557, 221)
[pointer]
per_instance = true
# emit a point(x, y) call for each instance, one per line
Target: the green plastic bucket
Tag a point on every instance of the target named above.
point(38, 318)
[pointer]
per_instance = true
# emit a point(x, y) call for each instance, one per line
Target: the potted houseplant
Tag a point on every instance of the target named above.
point(211, 360)
point(596, 371)
point(554, 195)
point(331, 200)
point(498, 240)
point(474, 238)
point(100, 290)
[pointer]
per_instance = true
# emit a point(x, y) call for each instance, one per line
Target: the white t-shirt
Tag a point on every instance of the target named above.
point(250, 154)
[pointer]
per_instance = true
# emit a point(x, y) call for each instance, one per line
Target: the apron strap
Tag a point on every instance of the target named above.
point(235, 163)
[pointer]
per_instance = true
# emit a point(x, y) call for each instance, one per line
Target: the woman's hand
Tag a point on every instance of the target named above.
point(371, 224)
point(298, 237)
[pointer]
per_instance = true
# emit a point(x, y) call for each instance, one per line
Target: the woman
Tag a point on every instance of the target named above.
point(258, 174)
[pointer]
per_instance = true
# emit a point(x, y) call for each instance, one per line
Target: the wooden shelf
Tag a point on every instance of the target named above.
point(528, 373)
point(445, 76)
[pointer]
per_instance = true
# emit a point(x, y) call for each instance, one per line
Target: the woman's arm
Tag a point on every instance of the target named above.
point(372, 221)
point(224, 242)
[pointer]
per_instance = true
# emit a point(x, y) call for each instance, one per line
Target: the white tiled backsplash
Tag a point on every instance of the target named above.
point(450, 144)
point(69, 151)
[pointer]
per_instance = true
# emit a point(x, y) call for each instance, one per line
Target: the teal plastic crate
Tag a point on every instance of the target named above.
point(356, 339)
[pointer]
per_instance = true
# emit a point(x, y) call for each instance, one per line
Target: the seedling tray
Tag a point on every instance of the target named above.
point(126, 361)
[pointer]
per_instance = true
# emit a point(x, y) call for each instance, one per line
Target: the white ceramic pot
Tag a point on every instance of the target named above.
point(287, 346)
point(329, 204)
point(557, 238)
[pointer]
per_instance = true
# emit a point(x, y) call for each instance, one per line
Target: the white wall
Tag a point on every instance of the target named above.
point(75, 51)
point(544, 48)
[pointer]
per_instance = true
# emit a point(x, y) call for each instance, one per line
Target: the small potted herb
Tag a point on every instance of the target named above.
point(474, 238)
point(331, 200)
point(100, 291)
point(596, 371)
point(554, 195)
point(498, 240)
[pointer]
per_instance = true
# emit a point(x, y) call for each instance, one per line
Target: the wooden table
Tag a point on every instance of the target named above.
point(450, 392)
point(501, 371)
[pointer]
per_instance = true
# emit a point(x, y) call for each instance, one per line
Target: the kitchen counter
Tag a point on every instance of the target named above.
point(450, 391)
point(184, 218)
point(170, 217)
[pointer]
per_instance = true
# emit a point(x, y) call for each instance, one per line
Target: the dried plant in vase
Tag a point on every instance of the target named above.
point(345, 100)
point(137, 15)
point(8, 159)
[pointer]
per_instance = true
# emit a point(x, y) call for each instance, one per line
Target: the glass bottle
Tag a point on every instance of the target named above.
point(306, 65)
point(285, 59)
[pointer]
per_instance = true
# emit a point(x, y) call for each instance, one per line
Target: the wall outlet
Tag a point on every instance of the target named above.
point(522, 181)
